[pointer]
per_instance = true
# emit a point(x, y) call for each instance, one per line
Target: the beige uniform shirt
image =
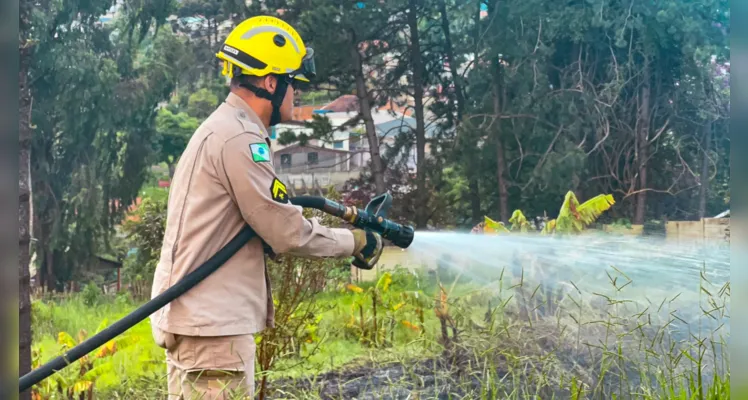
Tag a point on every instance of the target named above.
point(220, 185)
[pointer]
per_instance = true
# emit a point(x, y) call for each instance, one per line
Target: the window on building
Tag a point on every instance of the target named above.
point(338, 144)
point(312, 158)
point(285, 160)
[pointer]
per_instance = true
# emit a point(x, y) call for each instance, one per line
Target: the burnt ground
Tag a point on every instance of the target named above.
point(425, 379)
point(453, 375)
point(454, 378)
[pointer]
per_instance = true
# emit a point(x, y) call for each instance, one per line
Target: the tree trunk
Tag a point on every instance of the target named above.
point(51, 281)
point(472, 169)
point(643, 149)
point(417, 65)
point(501, 174)
point(218, 69)
point(449, 54)
point(45, 255)
point(172, 167)
point(704, 175)
point(377, 166)
point(476, 28)
point(474, 191)
point(473, 173)
point(498, 104)
point(24, 199)
point(500, 156)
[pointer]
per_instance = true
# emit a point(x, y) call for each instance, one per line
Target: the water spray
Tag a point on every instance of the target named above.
point(640, 270)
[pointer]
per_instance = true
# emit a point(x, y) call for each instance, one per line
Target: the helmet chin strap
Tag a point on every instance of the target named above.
point(276, 99)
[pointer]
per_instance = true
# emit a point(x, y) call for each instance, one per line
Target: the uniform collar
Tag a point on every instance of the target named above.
point(237, 102)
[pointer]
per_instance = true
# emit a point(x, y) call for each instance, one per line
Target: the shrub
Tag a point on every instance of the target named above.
point(145, 232)
point(91, 294)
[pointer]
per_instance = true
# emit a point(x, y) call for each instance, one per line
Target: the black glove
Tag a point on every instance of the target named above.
point(367, 248)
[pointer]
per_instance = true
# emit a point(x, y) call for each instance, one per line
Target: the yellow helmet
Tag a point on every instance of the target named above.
point(265, 45)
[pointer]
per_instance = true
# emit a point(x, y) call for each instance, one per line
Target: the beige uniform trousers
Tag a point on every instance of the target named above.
point(209, 367)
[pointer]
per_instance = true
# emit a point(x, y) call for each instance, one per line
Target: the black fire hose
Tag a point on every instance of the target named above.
point(373, 218)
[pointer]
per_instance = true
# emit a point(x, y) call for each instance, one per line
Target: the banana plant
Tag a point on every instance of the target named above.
point(572, 218)
point(519, 221)
point(493, 227)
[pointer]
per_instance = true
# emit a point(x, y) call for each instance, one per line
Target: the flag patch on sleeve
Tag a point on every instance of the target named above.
point(260, 152)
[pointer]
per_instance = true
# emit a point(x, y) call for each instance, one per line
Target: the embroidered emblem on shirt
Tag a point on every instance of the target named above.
point(278, 191)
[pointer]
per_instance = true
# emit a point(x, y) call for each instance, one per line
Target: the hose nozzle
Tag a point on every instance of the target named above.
point(373, 218)
point(404, 236)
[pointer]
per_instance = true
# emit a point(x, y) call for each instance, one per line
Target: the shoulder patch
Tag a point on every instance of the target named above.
point(278, 191)
point(260, 152)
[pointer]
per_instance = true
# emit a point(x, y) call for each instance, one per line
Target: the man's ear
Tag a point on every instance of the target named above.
point(271, 83)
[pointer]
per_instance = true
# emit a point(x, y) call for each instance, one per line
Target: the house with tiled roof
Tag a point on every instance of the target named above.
point(344, 103)
point(320, 163)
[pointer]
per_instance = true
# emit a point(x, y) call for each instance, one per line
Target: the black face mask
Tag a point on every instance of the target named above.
point(276, 99)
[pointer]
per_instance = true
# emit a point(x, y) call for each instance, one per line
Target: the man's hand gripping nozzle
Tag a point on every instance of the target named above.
point(371, 226)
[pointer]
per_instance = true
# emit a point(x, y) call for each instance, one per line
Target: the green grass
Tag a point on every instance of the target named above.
point(155, 193)
point(137, 359)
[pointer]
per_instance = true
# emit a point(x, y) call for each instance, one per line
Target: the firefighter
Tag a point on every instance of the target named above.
point(224, 180)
